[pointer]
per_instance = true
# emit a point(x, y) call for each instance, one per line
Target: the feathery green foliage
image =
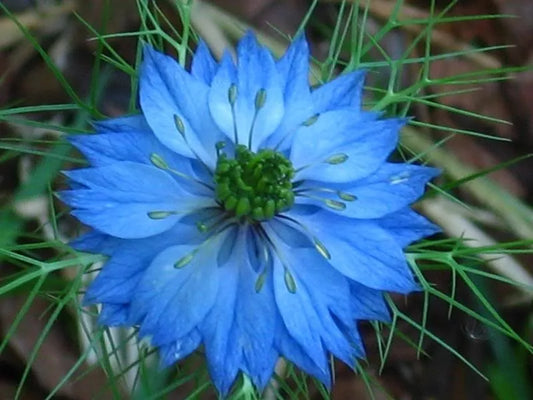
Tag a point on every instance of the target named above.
point(130, 365)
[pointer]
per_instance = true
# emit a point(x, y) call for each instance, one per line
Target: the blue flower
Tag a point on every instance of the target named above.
point(246, 212)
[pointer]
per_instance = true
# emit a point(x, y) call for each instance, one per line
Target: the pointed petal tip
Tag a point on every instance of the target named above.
point(227, 60)
point(148, 49)
point(248, 43)
point(432, 229)
point(89, 299)
point(58, 194)
point(73, 139)
point(66, 172)
point(153, 58)
point(358, 75)
point(401, 121)
point(434, 172)
point(98, 125)
point(409, 286)
point(81, 243)
point(67, 196)
point(201, 44)
point(249, 34)
point(300, 41)
point(223, 381)
point(298, 49)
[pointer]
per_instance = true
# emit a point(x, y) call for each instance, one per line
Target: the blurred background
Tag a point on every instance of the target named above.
point(31, 157)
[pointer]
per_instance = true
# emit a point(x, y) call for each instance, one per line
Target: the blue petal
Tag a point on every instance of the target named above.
point(140, 147)
point(344, 91)
point(137, 146)
point(293, 70)
point(299, 316)
point(98, 242)
point(256, 322)
point(294, 352)
point(119, 197)
point(117, 289)
point(365, 144)
point(288, 234)
point(203, 65)
point(390, 188)
point(327, 291)
point(127, 123)
point(330, 294)
point(408, 226)
point(180, 348)
point(172, 301)
point(168, 92)
point(219, 104)
point(113, 314)
point(356, 249)
point(255, 73)
point(95, 242)
point(118, 279)
point(239, 330)
point(368, 304)
point(222, 346)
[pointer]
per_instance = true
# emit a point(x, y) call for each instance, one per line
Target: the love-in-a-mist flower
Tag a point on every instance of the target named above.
point(247, 213)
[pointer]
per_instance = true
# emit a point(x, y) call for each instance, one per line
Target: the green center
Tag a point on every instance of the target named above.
point(254, 185)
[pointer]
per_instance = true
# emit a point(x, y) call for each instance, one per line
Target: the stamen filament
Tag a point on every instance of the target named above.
point(232, 98)
point(203, 227)
point(308, 122)
point(335, 159)
point(316, 242)
point(180, 127)
point(185, 260)
point(333, 204)
point(290, 283)
point(260, 99)
point(160, 163)
point(341, 194)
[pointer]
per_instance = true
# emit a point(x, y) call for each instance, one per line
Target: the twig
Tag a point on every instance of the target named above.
point(383, 9)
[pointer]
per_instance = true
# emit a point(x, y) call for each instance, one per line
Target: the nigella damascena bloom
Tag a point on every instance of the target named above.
point(245, 212)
